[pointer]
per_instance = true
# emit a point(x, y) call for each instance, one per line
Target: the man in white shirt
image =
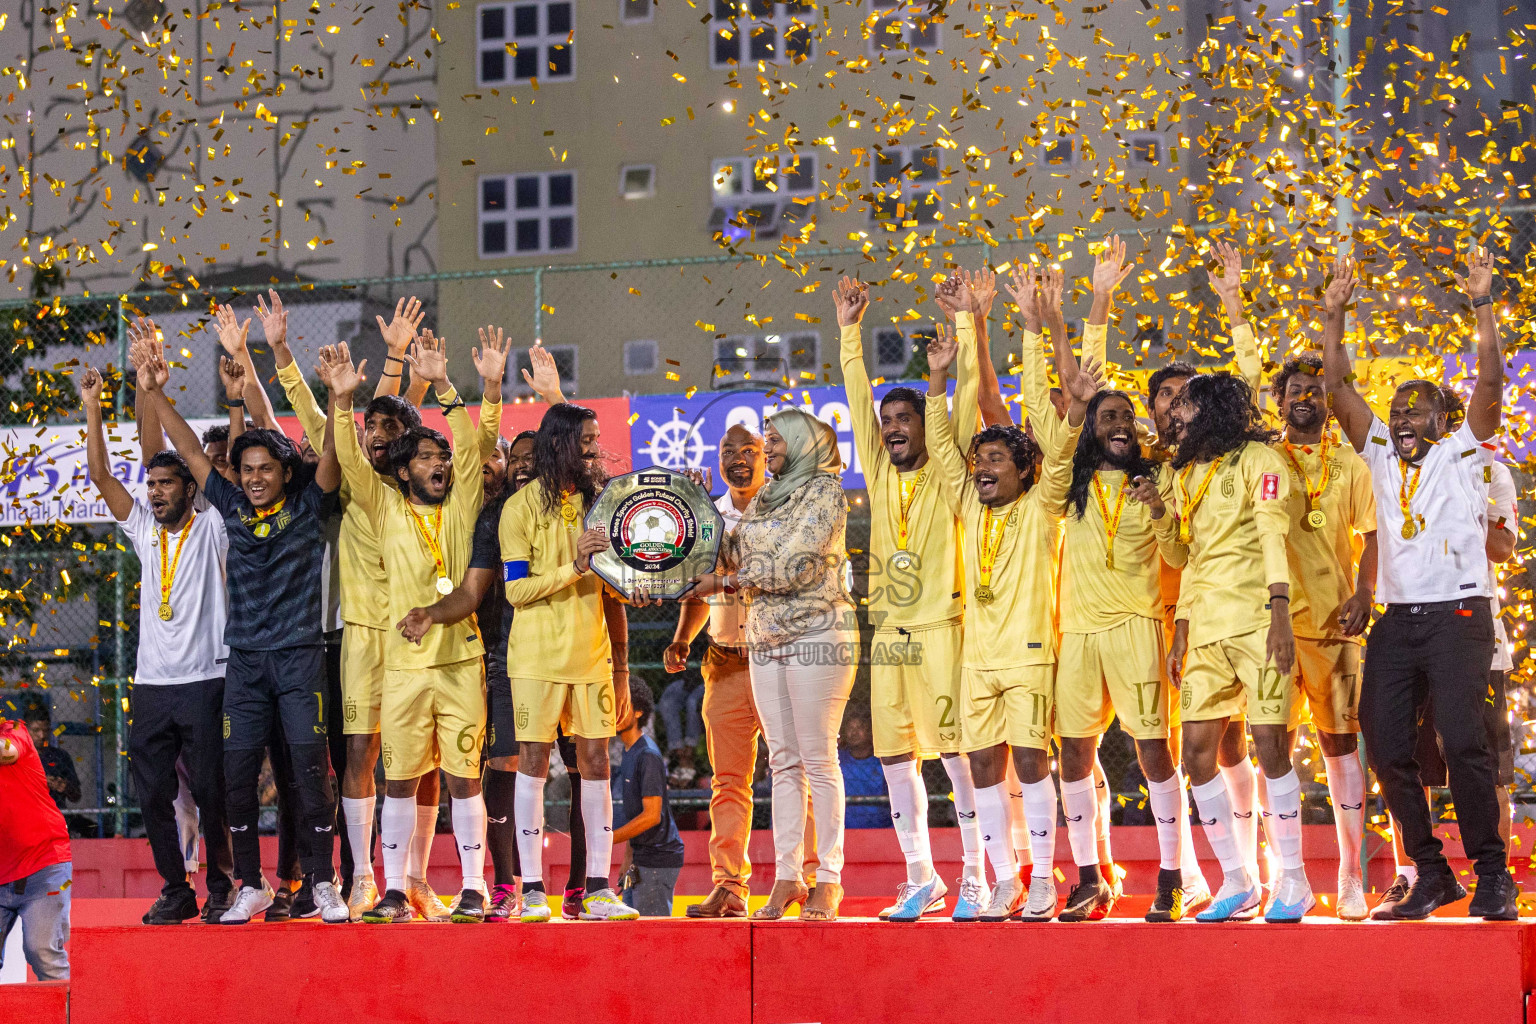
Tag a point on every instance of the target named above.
point(177, 700)
point(1436, 639)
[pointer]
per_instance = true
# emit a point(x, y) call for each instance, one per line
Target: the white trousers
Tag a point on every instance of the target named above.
point(800, 690)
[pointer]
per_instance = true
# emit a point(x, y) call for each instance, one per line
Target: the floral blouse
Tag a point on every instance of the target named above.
point(789, 563)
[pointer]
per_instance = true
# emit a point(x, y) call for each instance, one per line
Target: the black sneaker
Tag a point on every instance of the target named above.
point(1088, 901)
point(1390, 899)
point(393, 908)
point(1169, 903)
point(1427, 895)
point(304, 904)
point(173, 907)
point(1496, 898)
point(469, 908)
point(282, 906)
point(215, 905)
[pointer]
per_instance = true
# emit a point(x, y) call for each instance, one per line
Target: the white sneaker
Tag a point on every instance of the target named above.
point(605, 905)
point(1041, 905)
point(1351, 899)
point(1007, 898)
point(248, 903)
point(974, 897)
point(333, 909)
point(365, 893)
point(425, 902)
point(1197, 894)
point(1291, 898)
point(535, 907)
point(903, 893)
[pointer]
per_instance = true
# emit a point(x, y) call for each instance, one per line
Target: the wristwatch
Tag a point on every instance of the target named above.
point(1482, 300)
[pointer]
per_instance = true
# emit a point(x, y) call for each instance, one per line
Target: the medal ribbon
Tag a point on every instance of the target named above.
point(1188, 504)
point(907, 494)
point(1406, 491)
point(1111, 521)
point(431, 539)
point(168, 565)
point(263, 513)
point(1314, 496)
point(990, 541)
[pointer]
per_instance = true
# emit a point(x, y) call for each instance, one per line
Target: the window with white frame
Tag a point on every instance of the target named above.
point(746, 205)
point(777, 31)
point(769, 356)
point(903, 25)
point(640, 358)
point(906, 184)
point(633, 12)
point(565, 363)
point(894, 348)
point(527, 214)
point(527, 40)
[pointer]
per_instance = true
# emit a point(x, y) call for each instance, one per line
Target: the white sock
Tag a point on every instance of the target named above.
point(1040, 815)
point(1167, 800)
point(959, 770)
point(358, 812)
point(1240, 782)
point(396, 824)
point(469, 834)
point(1189, 861)
point(909, 816)
point(528, 812)
point(1016, 825)
point(1101, 794)
point(1080, 803)
point(1282, 820)
point(1346, 788)
point(1214, 802)
point(597, 815)
point(420, 852)
point(992, 815)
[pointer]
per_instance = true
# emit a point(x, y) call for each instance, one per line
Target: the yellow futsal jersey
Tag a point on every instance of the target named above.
point(1016, 627)
point(915, 574)
point(1103, 585)
point(1324, 560)
point(559, 632)
point(1234, 510)
point(422, 543)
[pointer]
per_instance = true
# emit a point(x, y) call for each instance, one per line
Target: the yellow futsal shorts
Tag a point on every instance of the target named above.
point(914, 691)
point(1329, 677)
point(582, 709)
point(433, 718)
point(1227, 678)
point(1008, 705)
point(362, 678)
point(1116, 671)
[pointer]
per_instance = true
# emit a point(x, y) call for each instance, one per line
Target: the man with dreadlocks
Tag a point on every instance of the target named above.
point(1232, 645)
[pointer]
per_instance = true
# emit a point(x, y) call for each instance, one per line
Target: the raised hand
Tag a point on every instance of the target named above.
point(983, 285)
point(1110, 267)
point(1229, 286)
point(337, 372)
point(491, 357)
point(948, 295)
point(545, 378)
point(273, 317)
point(232, 332)
point(232, 373)
point(1479, 279)
point(1024, 289)
point(143, 342)
point(851, 299)
point(428, 359)
point(942, 351)
point(401, 329)
point(1089, 379)
point(91, 385)
point(1336, 296)
point(1048, 296)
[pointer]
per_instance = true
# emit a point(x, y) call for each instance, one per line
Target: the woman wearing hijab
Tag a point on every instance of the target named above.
point(787, 558)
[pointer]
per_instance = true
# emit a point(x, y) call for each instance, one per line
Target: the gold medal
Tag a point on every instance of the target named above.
point(165, 611)
point(433, 540)
point(1405, 492)
point(988, 543)
point(444, 585)
point(568, 512)
point(168, 565)
point(984, 594)
point(901, 560)
point(1316, 519)
point(1410, 529)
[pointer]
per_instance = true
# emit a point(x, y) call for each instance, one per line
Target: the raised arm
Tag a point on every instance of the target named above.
point(966, 412)
point(232, 338)
point(1110, 268)
point(111, 489)
point(232, 376)
point(429, 361)
point(1349, 408)
point(989, 392)
point(545, 378)
point(851, 299)
point(1057, 453)
point(1034, 381)
point(1485, 409)
point(342, 379)
point(328, 472)
point(947, 459)
point(151, 437)
point(1229, 288)
point(398, 335)
point(183, 438)
point(491, 362)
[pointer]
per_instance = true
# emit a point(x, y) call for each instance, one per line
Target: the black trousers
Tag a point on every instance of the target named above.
point(181, 720)
point(1441, 653)
point(337, 742)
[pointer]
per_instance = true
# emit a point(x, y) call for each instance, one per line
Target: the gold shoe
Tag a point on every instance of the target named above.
point(721, 902)
point(772, 911)
point(834, 896)
point(425, 902)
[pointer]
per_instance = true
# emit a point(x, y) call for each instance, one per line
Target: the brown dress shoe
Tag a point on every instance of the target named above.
point(721, 902)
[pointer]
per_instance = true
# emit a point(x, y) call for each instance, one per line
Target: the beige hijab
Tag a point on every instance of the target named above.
point(812, 450)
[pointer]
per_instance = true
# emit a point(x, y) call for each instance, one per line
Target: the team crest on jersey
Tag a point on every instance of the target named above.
point(1228, 488)
point(351, 711)
point(522, 718)
point(652, 530)
point(1270, 489)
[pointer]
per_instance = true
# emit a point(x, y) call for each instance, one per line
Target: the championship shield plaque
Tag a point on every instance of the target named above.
point(663, 530)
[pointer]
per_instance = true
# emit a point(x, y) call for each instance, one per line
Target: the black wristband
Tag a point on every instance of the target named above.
point(389, 375)
point(1482, 300)
point(396, 359)
point(457, 403)
point(234, 402)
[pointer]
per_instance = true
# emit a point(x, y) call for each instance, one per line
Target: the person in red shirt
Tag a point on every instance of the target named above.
point(35, 866)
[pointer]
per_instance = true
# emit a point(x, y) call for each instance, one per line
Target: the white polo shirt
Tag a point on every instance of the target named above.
point(1502, 504)
point(190, 646)
point(1445, 560)
point(727, 613)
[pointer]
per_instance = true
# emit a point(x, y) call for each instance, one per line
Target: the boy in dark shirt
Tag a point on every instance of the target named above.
point(276, 669)
point(655, 853)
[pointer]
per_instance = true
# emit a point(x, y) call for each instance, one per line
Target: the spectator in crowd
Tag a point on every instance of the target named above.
point(681, 710)
point(655, 852)
point(35, 867)
point(862, 774)
point(63, 783)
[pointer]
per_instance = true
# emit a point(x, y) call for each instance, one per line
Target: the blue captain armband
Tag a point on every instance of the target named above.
point(512, 571)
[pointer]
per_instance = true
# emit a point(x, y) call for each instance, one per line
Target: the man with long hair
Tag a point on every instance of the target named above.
point(565, 653)
point(432, 708)
point(1232, 645)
